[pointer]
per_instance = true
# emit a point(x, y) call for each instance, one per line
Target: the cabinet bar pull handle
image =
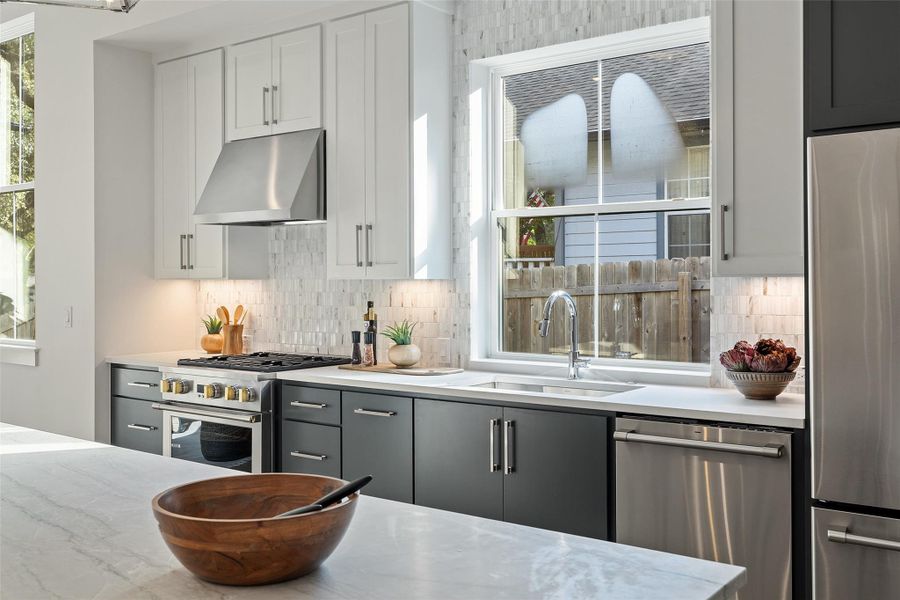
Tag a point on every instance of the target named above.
point(308, 404)
point(368, 245)
point(190, 238)
point(508, 466)
point(274, 118)
point(843, 536)
point(494, 465)
point(306, 455)
point(265, 101)
point(140, 427)
point(358, 257)
point(722, 210)
point(181, 250)
point(773, 451)
point(142, 384)
point(374, 413)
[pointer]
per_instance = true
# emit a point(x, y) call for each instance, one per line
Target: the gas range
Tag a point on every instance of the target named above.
point(218, 409)
point(265, 362)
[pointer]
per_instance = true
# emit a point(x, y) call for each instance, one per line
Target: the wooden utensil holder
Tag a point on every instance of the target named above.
point(234, 339)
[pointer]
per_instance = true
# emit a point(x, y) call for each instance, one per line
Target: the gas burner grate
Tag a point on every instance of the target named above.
point(265, 362)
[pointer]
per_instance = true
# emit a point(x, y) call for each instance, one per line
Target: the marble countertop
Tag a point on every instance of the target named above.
point(75, 522)
point(689, 402)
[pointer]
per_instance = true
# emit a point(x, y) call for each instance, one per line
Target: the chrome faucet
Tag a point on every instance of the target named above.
point(575, 361)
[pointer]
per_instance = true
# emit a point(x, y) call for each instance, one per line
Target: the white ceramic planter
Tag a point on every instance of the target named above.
point(404, 356)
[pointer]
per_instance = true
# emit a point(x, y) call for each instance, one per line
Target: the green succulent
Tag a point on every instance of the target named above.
point(400, 333)
point(213, 324)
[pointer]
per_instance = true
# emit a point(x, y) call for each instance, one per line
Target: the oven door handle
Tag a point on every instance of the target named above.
point(202, 412)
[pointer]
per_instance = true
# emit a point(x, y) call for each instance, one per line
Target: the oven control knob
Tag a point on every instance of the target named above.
point(180, 386)
point(212, 390)
point(246, 394)
point(230, 392)
point(165, 385)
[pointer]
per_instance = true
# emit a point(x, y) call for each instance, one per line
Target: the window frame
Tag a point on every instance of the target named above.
point(489, 73)
point(14, 350)
point(685, 213)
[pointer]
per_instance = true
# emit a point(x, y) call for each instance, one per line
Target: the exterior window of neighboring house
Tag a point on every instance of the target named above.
point(602, 188)
point(17, 315)
point(687, 234)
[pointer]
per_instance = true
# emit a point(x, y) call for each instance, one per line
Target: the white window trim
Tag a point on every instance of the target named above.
point(18, 352)
point(17, 27)
point(485, 96)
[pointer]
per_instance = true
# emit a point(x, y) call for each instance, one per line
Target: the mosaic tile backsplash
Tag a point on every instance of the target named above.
point(299, 310)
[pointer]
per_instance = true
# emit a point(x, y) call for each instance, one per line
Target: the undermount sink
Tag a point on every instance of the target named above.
point(595, 390)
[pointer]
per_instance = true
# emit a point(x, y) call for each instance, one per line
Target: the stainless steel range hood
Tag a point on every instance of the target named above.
point(266, 180)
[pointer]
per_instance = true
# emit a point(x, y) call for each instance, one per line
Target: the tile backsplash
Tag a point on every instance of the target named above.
point(299, 310)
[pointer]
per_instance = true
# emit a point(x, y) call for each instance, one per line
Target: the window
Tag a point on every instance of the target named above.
point(602, 188)
point(17, 315)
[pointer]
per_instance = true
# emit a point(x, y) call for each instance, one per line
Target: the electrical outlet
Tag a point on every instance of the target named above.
point(67, 318)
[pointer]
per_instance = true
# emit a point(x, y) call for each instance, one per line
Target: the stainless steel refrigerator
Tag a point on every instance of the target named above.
point(854, 367)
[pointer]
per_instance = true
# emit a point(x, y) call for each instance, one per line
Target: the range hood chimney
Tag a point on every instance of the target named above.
point(267, 180)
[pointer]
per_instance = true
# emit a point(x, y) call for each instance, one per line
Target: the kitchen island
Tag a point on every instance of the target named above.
point(75, 522)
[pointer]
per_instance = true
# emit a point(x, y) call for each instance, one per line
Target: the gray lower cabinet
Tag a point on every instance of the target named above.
point(457, 458)
point(310, 448)
point(377, 440)
point(136, 425)
point(533, 467)
point(557, 475)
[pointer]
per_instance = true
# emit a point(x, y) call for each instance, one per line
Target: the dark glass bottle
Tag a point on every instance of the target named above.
point(370, 325)
point(356, 356)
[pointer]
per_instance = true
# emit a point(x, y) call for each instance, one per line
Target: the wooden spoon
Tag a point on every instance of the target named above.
point(222, 313)
point(238, 314)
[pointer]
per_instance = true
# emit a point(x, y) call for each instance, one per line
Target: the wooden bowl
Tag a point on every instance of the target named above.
point(222, 529)
point(760, 386)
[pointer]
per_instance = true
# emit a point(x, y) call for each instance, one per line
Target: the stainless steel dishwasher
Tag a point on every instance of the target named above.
point(718, 493)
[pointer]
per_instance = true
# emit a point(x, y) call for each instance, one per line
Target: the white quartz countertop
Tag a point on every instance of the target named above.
point(715, 404)
point(75, 522)
point(687, 402)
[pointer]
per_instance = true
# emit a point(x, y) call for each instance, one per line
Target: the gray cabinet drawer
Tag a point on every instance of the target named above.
point(136, 383)
point(136, 425)
point(308, 448)
point(311, 404)
point(378, 441)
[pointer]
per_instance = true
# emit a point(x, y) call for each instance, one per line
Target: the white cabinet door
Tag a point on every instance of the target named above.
point(172, 170)
point(345, 146)
point(757, 113)
point(297, 80)
point(205, 126)
point(249, 89)
point(387, 120)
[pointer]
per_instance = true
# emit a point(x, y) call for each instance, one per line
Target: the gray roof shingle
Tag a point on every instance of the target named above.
point(679, 76)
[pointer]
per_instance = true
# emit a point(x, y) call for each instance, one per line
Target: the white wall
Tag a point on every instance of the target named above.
point(134, 311)
point(58, 394)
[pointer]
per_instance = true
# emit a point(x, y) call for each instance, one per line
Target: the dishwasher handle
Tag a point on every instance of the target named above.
point(772, 451)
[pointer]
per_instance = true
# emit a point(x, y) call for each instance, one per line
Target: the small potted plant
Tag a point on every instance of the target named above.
point(760, 371)
point(403, 353)
point(213, 341)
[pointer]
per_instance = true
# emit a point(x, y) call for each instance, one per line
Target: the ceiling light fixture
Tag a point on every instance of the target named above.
point(122, 6)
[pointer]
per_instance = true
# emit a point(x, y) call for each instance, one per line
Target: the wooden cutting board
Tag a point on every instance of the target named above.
point(421, 371)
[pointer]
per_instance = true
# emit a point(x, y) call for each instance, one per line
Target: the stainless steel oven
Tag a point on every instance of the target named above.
point(221, 419)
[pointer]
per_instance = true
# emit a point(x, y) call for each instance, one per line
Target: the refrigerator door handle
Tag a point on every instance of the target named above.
point(843, 536)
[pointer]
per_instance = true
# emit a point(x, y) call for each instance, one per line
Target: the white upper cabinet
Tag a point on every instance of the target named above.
point(387, 121)
point(758, 145)
point(189, 137)
point(297, 80)
point(274, 85)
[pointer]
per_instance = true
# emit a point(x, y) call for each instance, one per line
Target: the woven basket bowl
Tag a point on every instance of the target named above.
point(760, 386)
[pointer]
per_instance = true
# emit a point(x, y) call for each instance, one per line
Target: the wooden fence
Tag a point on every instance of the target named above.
point(648, 309)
